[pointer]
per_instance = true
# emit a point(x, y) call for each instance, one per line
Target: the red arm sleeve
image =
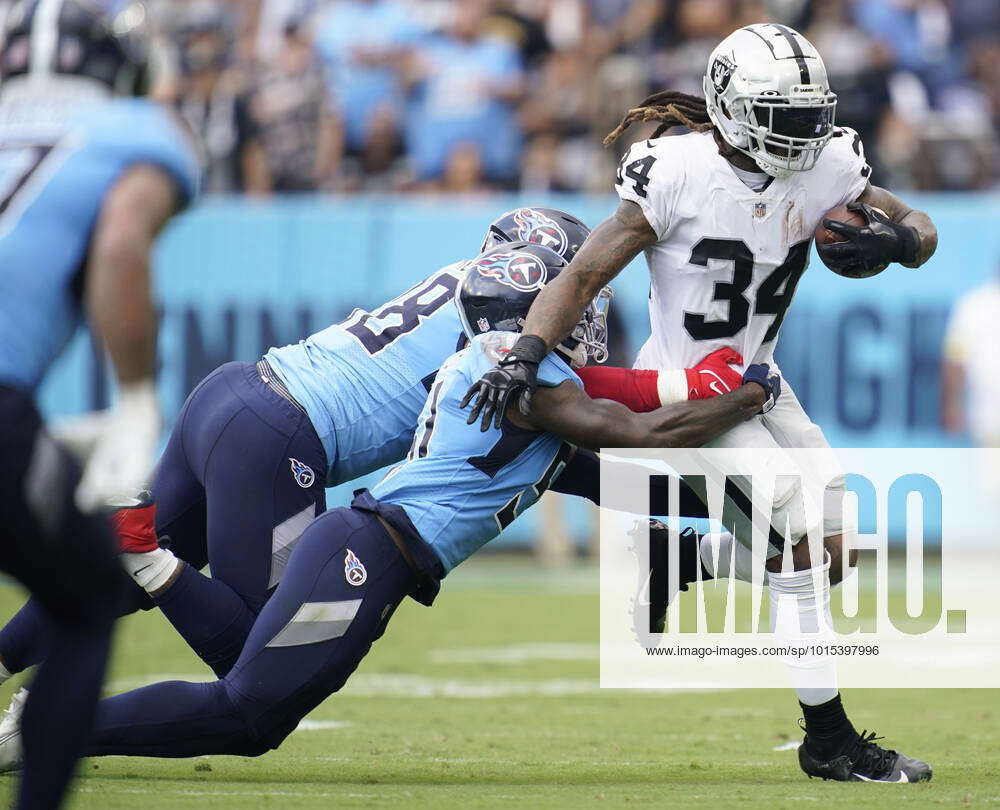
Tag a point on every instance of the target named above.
point(636, 389)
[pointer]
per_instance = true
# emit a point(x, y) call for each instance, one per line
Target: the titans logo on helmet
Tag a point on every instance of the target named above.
point(521, 271)
point(533, 226)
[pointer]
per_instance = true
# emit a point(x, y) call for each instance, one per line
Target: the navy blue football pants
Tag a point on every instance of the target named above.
point(68, 560)
point(242, 475)
point(225, 482)
point(306, 642)
point(229, 491)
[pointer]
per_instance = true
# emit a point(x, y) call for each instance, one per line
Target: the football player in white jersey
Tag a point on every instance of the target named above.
point(725, 215)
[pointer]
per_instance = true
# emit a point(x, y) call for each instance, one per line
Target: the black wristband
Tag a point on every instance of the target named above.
point(909, 241)
point(527, 349)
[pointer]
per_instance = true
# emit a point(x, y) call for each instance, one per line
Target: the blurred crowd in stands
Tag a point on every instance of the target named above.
point(469, 95)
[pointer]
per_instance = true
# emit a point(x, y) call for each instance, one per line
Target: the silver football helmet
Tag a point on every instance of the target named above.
point(767, 93)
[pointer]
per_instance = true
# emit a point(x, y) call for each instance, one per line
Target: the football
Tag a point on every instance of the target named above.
point(843, 214)
point(824, 236)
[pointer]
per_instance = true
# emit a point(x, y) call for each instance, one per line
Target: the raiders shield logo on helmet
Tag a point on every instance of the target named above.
point(722, 72)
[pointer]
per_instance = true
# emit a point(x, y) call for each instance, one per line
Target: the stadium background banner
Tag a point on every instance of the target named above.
point(236, 276)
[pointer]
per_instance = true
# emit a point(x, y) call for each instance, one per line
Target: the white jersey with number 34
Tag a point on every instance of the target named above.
point(727, 259)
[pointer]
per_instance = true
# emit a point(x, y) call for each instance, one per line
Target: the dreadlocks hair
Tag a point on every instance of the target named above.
point(671, 108)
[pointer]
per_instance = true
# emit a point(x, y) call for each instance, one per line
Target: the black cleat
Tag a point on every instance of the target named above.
point(863, 760)
point(654, 584)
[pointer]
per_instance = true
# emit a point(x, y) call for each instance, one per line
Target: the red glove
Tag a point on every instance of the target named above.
point(714, 376)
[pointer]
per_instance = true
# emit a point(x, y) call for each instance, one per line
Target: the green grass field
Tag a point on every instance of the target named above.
point(490, 699)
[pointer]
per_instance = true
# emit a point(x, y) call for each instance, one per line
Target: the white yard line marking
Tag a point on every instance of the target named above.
point(791, 745)
point(417, 686)
point(159, 789)
point(517, 653)
point(321, 725)
point(375, 684)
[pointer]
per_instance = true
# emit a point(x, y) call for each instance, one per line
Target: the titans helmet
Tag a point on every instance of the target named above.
point(500, 286)
point(75, 38)
point(548, 227)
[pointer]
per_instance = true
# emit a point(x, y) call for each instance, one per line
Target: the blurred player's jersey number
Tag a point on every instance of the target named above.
point(18, 166)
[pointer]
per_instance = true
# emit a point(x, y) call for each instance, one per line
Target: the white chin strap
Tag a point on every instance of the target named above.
point(769, 168)
point(576, 357)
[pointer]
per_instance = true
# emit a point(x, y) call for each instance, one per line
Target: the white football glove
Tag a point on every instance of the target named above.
point(123, 456)
point(80, 433)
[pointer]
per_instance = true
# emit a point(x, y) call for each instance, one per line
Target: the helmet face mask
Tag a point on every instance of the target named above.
point(790, 137)
point(591, 332)
point(767, 95)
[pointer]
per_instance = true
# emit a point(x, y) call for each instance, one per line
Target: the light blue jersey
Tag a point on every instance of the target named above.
point(53, 181)
point(363, 382)
point(459, 486)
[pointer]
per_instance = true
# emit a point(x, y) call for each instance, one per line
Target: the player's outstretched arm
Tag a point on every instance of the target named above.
point(557, 309)
point(567, 411)
point(120, 312)
point(118, 298)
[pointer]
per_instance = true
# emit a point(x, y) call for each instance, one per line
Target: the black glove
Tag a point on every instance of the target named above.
point(760, 373)
point(869, 249)
point(516, 373)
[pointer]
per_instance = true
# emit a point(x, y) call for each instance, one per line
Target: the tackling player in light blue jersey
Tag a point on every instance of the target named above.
point(363, 382)
point(459, 486)
point(87, 180)
point(455, 491)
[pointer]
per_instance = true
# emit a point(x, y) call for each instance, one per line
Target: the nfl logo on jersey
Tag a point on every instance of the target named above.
point(759, 210)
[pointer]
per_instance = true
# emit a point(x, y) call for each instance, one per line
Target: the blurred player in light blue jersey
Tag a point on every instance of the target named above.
point(456, 490)
point(87, 180)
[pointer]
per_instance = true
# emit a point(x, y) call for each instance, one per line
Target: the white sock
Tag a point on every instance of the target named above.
point(800, 617)
point(733, 559)
point(150, 569)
